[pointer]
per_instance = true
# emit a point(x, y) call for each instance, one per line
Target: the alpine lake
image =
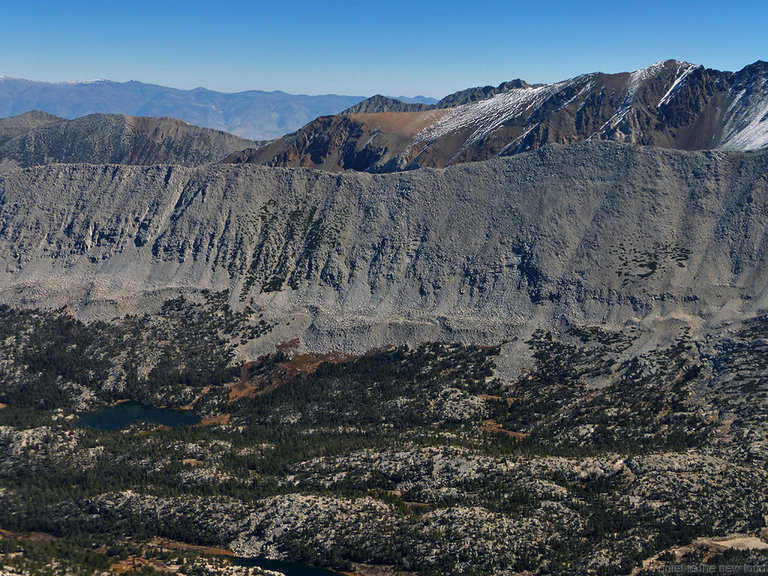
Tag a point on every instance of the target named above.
point(124, 414)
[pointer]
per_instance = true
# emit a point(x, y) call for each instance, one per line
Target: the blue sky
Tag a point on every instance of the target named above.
point(361, 48)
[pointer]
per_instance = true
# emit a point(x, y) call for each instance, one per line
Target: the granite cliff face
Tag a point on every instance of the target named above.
point(38, 138)
point(670, 104)
point(589, 233)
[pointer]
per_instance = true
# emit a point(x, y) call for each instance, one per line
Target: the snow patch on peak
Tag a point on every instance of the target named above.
point(746, 119)
point(485, 116)
point(518, 142)
point(637, 77)
point(683, 70)
point(82, 82)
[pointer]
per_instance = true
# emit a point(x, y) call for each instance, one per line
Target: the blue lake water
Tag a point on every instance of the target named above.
point(127, 413)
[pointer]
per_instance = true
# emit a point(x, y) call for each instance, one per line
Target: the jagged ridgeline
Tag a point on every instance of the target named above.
point(594, 232)
point(670, 104)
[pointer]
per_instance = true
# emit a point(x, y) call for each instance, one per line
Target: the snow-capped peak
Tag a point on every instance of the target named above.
point(487, 115)
point(638, 77)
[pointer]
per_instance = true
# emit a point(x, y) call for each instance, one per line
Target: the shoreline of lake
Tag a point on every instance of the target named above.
point(124, 413)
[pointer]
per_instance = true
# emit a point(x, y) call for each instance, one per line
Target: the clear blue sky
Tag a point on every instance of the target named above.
point(361, 48)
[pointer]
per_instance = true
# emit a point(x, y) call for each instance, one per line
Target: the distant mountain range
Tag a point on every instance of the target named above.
point(254, 114)
point(670, 104)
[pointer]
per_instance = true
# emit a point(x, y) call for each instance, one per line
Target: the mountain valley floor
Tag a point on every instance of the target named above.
point(606, 457)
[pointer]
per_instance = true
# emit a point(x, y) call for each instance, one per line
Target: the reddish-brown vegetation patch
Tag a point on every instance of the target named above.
point(289, 346)
point(304, 364)
point(30, 536)
point(137, 563)
point(282, 373)
point(164, 543)
point(218, 420)
point(493, 426)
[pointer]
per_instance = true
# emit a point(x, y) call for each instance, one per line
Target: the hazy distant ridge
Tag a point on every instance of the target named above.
point(254, 114)
point(36, 138)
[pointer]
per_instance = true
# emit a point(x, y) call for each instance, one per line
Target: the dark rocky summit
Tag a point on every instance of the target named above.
point(479, 93)
point(379, 103)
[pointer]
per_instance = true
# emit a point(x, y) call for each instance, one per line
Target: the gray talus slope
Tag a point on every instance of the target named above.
point(594, 232)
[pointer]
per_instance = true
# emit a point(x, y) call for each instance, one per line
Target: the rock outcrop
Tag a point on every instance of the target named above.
point(379, 103)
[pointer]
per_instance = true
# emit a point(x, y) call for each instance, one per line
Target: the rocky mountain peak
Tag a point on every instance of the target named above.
point(379, 103)
point(670, 104)
point(479, 93)
point(16, 125)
